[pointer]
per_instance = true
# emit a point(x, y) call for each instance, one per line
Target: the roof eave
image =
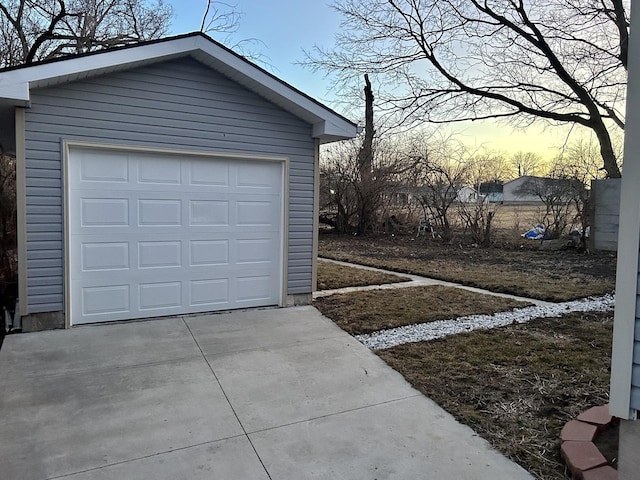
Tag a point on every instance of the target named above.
point(328, 126)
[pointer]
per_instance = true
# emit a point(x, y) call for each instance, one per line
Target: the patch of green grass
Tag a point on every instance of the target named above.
point(332, 276)
point(518, 385)
point(365, 312)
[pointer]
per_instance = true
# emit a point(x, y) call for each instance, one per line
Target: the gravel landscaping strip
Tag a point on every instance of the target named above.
point(443, 328)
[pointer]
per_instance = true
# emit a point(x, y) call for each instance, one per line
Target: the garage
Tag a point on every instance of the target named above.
point(164, 178)
point(163, 233)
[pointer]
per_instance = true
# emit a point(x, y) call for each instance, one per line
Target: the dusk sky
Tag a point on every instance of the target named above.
point(287, 27)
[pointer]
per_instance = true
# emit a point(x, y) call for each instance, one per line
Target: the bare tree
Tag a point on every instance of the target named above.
point(487, 165)
point(344, 190)
point(477, 216)
point(338, 185)
point(33, 30)
point(580, 162)
point(442, 168)
point(220, 17)
point(526, 163)
point(561, 61)
point(559, 193)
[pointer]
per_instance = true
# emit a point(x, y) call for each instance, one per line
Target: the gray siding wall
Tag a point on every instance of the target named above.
point(179, 105)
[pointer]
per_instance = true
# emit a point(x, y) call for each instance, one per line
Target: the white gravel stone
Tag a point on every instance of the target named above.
point(443, 328)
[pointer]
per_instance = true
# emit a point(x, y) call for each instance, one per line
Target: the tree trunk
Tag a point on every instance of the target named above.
point(366, 209)
point(606, 150)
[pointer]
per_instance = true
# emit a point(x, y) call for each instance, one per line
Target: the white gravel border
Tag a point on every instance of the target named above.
point(443, 328)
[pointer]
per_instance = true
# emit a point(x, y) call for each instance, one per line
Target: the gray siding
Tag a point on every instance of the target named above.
point(178, 105)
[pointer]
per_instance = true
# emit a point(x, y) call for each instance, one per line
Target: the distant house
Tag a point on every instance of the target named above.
point(521, 190)
point(466, 195)
point(492, 192)
point(529, 189)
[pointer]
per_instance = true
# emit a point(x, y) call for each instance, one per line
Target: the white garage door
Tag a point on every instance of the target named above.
point(157, 234)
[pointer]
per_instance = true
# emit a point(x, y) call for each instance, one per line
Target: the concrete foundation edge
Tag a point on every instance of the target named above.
point(36, 322)
point(299, 299)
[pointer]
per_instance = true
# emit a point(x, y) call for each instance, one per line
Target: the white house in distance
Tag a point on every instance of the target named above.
point(163, 178)
point(625, 359)
point(466, 194)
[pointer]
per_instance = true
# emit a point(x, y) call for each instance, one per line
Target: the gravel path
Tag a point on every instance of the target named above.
point(443, 328)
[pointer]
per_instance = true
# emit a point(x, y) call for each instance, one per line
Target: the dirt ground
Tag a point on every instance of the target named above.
point(519, 269)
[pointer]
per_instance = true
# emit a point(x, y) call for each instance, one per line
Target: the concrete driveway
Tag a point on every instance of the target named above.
point(261, 394)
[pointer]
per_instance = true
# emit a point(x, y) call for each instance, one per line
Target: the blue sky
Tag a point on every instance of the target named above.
point(283, 27)
point(287, 27)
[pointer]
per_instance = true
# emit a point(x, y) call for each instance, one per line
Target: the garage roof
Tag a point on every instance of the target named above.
point(328, 126)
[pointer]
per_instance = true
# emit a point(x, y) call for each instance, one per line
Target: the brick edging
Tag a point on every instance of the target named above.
point(578, 449)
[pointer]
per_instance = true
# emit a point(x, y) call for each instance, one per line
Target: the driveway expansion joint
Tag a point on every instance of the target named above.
point(334, 414)
point(227, 399)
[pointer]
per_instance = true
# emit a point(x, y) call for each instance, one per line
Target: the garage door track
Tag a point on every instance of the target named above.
point(261, 394)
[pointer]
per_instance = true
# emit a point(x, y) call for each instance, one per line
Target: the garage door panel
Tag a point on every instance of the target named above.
point(254, 288)
point(161, 235)
point(102, 166)
point(104, 256)
point(212, 213)
point(257, 250)
point(159, 170)
point(159, 295)
point(210, 292)
point(159, 212)
point(105, 299)
point(258, 177)
point(255, 213)
point(208, 252)
point(104, 212)
point(159, 254)
point(209, 173)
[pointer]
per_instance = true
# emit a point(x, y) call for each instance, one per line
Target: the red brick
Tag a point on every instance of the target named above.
point(601, 473)
point(578, 431)
point(581, 456)
point(598, 416)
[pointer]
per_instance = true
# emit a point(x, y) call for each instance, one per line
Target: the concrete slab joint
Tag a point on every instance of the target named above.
point(262, 393)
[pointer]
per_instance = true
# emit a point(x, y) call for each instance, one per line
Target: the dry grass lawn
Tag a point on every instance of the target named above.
point(365, 312)
point(516, 386)
point(331, 276)
point(551, 276)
